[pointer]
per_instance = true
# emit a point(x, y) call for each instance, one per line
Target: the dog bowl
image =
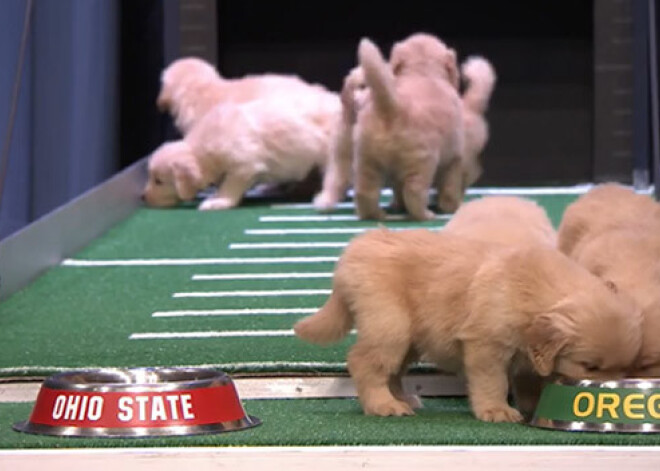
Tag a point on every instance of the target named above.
point(139, 402)
point(630, 405)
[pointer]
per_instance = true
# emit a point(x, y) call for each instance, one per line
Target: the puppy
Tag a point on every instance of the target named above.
point(235, 146)
point(510, 222)
point(615, 234)
point(190, 87)
point(410, 128)
point(468, 307)
point(480, 79)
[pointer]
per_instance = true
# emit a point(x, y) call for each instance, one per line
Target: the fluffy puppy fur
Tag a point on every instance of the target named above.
point(466, 307)
point(410, 128)
point(190, 87)
point(511, 222)
point(505, 220)
point(615, 234)
point(479, 77)
point(236, 146)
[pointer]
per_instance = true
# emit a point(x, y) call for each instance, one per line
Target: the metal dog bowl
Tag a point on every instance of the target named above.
point(630, 405)
point(139, 402)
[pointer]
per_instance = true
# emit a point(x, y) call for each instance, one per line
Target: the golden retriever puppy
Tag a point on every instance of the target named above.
point(512, 222)
point(467, 307)
point(410, 128)
point(190, 87)
point(480, 79)
point(236, 146)
point(615, 234)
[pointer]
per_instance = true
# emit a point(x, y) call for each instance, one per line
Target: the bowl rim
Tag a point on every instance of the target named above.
point(136, 380)
point(621, 383)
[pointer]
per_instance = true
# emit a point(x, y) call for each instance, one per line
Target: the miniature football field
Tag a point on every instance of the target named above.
point(181, 287)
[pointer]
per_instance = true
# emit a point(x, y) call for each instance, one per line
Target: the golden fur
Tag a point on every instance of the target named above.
point(479, 77)
point(468, 307)
point(506, 220)
point(615, 234)
point(236, 146)
point(410, 128)
point(190, 87)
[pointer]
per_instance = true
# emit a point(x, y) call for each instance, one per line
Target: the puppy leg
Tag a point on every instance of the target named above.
point(372, 364)
point(451, 187)
point(415, 190)
point(486, 368)
point(337, 176)
point(230, 193)
point(396, 385)
point(368, 182)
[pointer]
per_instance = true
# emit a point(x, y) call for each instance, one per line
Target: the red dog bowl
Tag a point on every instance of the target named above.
point(140, 402)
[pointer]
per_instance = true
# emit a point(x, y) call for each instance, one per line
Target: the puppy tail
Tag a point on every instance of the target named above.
point(379, 78)
point(330, 324)
point(480, 77)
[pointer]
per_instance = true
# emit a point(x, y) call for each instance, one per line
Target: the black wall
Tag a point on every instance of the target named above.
point(542, 110)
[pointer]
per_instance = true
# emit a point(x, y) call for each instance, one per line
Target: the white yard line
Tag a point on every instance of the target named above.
point(234, 312)
point(255, 293)
point(335, 218)
point(261, 276)
point(329, 230)
point(211, 334)
point(516, 191)
point(287, 245)
point(69, 262)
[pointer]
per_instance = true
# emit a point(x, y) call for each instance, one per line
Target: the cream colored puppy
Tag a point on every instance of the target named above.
point(480, 78)
point(467, 307)
point(615, 234)
point(190, 87)
point(505, 220)
point(411, 127)
point(238, 146)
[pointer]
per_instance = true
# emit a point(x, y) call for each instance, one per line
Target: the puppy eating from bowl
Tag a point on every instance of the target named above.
point(469, 308)
point(615, 234)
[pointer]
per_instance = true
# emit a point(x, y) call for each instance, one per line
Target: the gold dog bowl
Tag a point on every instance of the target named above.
point(140, 402)
point(630, 405)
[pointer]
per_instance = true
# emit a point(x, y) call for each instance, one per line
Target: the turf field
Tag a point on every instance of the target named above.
point(185, 287)
point(181, 287)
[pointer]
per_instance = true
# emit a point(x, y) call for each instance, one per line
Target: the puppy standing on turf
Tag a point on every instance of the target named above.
point(615, 234)
point(410, 128)
point(466, 306)
point(511, 222)
point(236, 146)
point(480, 78)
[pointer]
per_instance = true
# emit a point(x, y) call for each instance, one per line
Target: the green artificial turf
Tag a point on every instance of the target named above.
point(75, 317)
point(337, 422)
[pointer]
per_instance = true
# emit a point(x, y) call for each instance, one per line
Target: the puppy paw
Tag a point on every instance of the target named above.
point(324, 202)
point(372, 214)
point(390, 408)
point(413, 401)
point(212, 204)
point(499, 414)
point(426, 215)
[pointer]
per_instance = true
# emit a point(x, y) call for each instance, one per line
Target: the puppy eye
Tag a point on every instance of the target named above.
point(158, 181)
point(591, 367)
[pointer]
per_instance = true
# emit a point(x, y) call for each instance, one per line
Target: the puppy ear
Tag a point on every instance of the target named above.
point(187, 177)
point(545, 339)
point(451, 66)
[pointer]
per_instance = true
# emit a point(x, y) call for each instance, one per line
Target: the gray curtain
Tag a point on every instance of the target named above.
point(65, 138)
